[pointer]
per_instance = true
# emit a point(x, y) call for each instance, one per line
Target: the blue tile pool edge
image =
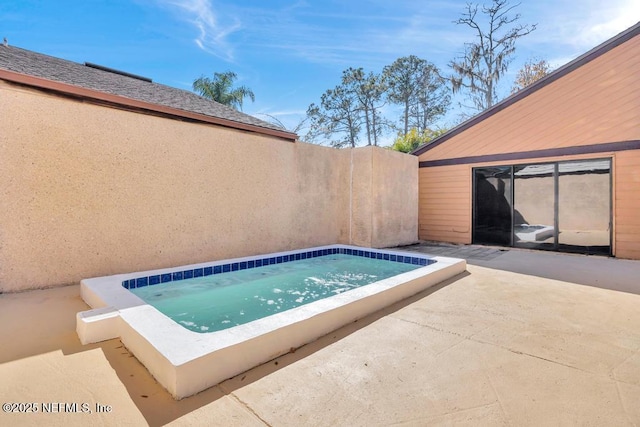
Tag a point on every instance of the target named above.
point(175, 276)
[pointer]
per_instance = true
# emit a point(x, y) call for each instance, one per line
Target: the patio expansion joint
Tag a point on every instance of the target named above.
point(523, 353)
point(498, 399)
point(518, 352)
point(246, 406)
point(621, 400)
point(424, 325)
point(612, 372)
point(428, 419)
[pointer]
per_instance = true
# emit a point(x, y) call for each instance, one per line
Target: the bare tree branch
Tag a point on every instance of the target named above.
point(486, 60)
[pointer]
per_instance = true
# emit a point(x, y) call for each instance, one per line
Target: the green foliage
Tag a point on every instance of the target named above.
point(337, 117)
point(354, 107)
point(416, 85)
point(487, 59)
point(368, 89)
point(220, 89)
point(408, 142)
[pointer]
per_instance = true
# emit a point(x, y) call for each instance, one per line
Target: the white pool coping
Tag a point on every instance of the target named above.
point(187, 362)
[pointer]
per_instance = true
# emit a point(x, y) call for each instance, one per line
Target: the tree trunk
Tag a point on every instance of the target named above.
point(406, 116)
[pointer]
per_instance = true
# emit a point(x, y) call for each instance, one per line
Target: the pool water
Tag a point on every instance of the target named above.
point(217, 302)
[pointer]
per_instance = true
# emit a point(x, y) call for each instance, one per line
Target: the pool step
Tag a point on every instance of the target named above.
point(99, 324)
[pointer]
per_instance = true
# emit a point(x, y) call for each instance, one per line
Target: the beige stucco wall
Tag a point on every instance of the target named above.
point(361, 198)
point(384, 202)
point(88, 190)
point(395, 198)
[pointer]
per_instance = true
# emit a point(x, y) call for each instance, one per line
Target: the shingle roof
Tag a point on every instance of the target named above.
point(60, 70)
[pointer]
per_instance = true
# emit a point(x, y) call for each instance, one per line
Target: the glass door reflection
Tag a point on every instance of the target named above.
point(534, 220)
point(584, 206)
point(563, 206)
point(492, 205)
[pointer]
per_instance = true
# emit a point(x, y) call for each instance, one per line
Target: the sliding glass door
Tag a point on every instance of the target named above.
point(534, 206)
point(563, 206)
point(493, 205)
point(584, 207)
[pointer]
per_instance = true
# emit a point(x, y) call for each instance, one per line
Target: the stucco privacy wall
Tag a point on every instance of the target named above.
point(384, 203)
point(89, 190)
point(394, 219)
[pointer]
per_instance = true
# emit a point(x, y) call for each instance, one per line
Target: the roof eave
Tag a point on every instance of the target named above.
point(103, 97)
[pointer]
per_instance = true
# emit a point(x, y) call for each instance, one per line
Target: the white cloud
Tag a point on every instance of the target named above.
point(565, 31)
point(617, 18)
point(212, 36)
point(587, 26)
point(285, 113)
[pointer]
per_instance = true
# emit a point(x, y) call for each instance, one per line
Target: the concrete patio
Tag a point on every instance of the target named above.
point(523, 338)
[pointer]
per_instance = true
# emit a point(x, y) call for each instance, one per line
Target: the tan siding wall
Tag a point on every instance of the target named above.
point(627, 204)
point(445, 200)
point(596, 103)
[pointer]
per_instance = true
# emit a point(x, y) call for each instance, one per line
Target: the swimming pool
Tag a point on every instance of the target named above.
point(220, 301)
point(185, 361)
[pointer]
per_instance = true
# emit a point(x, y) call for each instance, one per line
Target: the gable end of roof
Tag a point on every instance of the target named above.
point(583, 59)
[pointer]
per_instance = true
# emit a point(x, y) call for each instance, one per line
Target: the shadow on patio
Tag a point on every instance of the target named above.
point(44, 362)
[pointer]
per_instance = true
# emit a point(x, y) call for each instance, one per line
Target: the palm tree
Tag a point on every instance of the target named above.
point(220, 89)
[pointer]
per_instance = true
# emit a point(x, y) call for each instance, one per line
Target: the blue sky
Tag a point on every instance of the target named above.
point(290, 52)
